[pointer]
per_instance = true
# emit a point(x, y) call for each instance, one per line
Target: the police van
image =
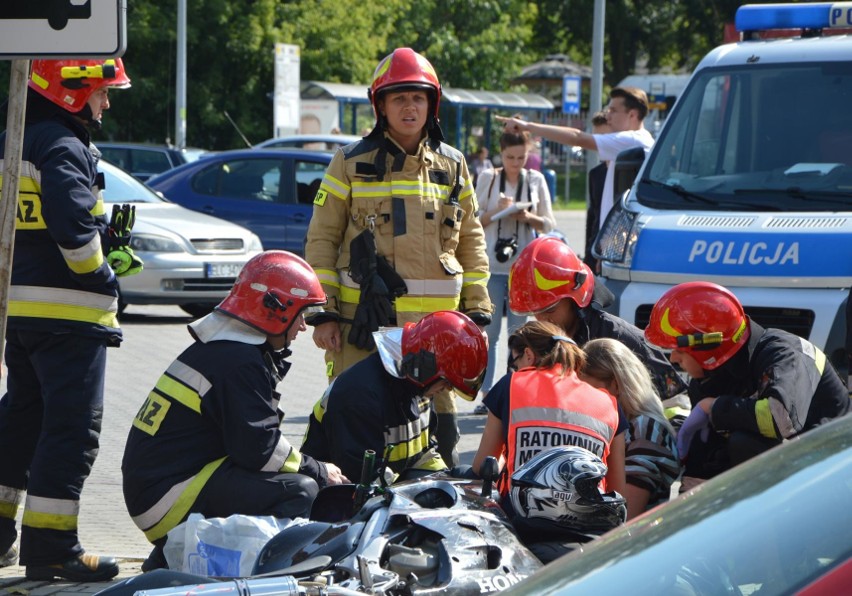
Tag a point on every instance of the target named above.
point(749, 183)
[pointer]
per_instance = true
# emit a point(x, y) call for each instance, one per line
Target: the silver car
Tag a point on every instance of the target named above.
point(191, 259)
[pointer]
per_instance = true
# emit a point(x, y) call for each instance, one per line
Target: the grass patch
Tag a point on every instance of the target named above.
point(577, 189)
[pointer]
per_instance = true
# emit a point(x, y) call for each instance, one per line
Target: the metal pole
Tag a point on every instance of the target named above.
point(180, 99)
point(596, 92)
point(11, 175)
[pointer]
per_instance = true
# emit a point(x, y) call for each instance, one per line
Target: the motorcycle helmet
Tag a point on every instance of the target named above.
point(545, 272)
point(271, 290)
point(558, 489)
point(701, 318)
point(70, 83)
point(445, 345)
point(404, 70)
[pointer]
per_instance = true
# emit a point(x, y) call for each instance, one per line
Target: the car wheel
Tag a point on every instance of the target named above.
point(197, 310)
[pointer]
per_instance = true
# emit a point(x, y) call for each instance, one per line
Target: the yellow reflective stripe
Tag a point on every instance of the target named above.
point(426, 304)
point(402, 451)
point(431, 461)
point(183, 503)
point(293, 463)
point(86, 258)
point(399, 188)
point(350, 295)
point(50, 514)
point(99, 208)
point(47, 310)
point(319, 410)
point(765, 423)
point(335, 187)
point(8, 510)
point(475, 278)
point(328, 276)
point(180, 393)
point(670, 413)
point(819, 360)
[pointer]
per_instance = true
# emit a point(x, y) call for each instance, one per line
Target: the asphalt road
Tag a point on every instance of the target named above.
point(154, 336)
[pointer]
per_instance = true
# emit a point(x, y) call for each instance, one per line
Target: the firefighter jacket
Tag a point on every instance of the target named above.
point(368, 408)
point(549, 410)
point(596, 323)
point(61, 281)
point(422, 210)
point(778, 385)
point(216, 401)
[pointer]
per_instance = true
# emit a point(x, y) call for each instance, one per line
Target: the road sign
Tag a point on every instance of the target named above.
point(571, 94)
point(61, 28)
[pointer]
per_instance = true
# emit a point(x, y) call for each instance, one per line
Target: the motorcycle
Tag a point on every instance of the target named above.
point(435, 534)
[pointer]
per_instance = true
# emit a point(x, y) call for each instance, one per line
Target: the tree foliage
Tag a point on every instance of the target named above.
point(476, 44)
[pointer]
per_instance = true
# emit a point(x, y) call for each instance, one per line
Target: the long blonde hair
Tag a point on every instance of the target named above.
point(607, 360)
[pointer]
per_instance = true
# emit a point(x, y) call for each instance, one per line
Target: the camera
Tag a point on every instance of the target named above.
point(506, 249)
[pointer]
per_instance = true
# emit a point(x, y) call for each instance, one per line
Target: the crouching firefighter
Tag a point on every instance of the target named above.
point(408, 194)
point(206, 439)
point(382, 403)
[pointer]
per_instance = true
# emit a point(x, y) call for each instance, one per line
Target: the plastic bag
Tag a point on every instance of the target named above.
point(220, 546)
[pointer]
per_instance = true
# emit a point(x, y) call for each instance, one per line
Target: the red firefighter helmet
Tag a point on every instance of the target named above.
point(545, 272)
point(70, 83)
point(401, 70)
point(271, 290)
point(701, 318)
point(445, 345)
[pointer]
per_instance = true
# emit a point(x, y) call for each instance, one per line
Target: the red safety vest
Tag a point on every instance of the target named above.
point(547, 410)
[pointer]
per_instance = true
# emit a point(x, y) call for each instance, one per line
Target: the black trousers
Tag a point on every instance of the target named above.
point(50, 423)
point(235, 490)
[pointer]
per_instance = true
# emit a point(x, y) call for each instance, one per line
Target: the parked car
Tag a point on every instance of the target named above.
point(191, 260)
point(318, 142)
point(269, 191)
point(777, 524)
point(144, 160)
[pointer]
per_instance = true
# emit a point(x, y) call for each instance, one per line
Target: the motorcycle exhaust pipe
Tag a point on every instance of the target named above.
point(285, 585)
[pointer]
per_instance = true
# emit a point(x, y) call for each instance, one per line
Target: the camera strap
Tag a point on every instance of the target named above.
point(518, 192)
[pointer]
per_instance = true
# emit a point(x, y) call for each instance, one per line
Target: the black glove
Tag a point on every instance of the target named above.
point(120, 256)
point(375, 307)
point(374, 310)
point(482, 319)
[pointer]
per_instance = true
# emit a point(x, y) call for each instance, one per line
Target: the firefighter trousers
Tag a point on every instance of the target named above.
point(50, 422)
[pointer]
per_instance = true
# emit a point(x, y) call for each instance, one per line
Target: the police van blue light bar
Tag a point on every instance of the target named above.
point(819, 15)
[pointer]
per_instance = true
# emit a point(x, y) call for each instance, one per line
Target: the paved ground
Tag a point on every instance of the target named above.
point(154, 335)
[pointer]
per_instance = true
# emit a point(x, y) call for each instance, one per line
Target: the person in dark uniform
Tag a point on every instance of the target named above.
point(551, 283)
point(62, 317)
point(751, 388)
point(207, 439)
point(383, 403)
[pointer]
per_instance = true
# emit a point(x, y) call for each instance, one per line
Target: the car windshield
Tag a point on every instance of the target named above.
point(121, 187)
point(770, 136)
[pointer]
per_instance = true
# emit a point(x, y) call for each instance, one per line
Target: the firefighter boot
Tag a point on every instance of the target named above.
point(82, 568)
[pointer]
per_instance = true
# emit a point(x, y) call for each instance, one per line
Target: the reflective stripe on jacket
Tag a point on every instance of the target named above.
point(215, 401)
point(60, 278)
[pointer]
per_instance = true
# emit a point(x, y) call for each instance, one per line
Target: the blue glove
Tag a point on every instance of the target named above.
point(698, 421)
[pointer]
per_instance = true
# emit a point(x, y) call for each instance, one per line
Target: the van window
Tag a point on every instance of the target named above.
point(757, 137)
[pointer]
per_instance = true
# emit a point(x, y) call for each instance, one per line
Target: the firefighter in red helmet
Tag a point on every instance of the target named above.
point(383, 402)
point(62, 316)
point(213, 416)
point(551, 283)
point(752, 387)
point(394, 233)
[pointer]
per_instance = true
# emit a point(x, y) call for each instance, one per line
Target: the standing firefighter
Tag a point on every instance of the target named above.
point(394, 234)
point(62, 316)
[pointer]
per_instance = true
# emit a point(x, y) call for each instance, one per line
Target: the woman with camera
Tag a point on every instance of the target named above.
point(525, 195)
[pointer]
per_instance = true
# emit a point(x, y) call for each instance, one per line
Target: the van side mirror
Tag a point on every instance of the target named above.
point(627, 165)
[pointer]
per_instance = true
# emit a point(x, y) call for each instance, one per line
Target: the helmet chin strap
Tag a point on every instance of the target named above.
point(88, 117)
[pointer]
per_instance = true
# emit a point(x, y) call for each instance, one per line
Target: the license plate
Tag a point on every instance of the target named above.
point(223, 269)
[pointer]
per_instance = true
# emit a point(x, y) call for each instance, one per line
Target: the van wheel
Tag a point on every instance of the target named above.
point(197, 310)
